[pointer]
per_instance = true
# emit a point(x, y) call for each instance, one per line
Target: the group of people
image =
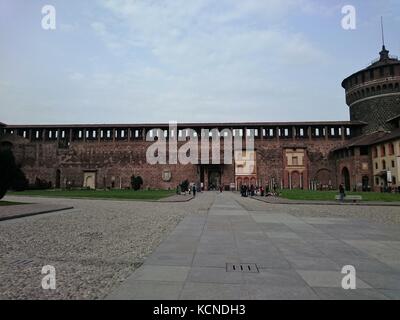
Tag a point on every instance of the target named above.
point(251, 191)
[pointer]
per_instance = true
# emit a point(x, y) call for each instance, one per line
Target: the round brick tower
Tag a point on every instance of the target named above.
point(373, 94)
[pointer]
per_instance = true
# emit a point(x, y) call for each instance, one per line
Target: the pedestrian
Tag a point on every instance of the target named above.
point(342, 192)
point(194, 190)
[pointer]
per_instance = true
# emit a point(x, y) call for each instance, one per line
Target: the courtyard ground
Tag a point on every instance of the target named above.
point(99, 247)
point(93, 247)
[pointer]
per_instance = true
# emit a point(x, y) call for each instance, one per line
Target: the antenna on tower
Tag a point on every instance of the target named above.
point(383, 32)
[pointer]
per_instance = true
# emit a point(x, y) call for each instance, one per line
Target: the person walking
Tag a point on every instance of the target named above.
point(194, 190)
point(342, 192)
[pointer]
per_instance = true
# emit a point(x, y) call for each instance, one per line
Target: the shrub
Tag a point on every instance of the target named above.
point(20, 182)
point(41, 184)
point(185, 186)
point(136, 182)
point(8, 171)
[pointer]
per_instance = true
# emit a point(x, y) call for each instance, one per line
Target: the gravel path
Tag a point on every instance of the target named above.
point(93, 247)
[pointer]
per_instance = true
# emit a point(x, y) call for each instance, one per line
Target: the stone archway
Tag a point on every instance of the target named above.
point(346, 178)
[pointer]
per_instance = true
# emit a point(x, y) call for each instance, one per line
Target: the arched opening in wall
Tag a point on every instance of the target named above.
point(6, 145)
point(58, 179)
point(323, 178)
point(295, 180)
point(346, 178)
point(365, 184)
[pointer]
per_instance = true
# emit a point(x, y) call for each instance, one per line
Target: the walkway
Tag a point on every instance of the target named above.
point(297, 258)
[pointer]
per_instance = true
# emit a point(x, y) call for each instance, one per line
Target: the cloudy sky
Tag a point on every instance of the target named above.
point(137, 61)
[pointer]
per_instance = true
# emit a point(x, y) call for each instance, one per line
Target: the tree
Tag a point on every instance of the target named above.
point(20, 183)
point(9, 171)
point(185, 186)
point(136, 182)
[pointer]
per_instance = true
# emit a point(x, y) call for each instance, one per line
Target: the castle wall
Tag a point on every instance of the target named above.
point(115, 162)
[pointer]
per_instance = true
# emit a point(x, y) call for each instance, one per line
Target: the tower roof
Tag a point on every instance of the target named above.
point(385, 58)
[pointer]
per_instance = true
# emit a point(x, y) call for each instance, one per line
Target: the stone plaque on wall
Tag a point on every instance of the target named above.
point(166, 175)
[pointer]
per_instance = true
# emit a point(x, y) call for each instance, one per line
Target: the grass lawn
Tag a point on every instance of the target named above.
point(8, 203)
point(98, 194)
point(330, 195)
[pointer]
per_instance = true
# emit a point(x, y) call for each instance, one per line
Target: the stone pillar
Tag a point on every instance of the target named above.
point(113, 134)
point(343, 133)
point(309, 133)
point(294, 133)
point(326, 134)
point(277, 133)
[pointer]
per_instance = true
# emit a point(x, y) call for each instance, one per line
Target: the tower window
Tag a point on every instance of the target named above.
point(383, 151)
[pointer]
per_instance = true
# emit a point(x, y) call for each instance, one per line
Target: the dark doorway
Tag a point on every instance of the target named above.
point(365, 183)
point(58, 179)
point(346, 178)
point(214, 180)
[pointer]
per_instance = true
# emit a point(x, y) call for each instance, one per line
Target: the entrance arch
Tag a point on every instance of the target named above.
point(346, 178)
point(214, 180)
point(365, 183)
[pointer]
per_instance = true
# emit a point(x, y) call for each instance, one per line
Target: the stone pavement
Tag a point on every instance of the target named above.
point(29, 209)
point(297, 258)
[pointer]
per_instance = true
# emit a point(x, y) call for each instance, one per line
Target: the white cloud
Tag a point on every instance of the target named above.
point(76, 76)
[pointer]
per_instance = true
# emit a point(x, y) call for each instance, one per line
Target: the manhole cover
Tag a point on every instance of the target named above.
point(21, 262)
point(242, 267)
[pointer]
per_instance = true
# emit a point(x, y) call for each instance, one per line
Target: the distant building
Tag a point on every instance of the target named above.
point(293, 155)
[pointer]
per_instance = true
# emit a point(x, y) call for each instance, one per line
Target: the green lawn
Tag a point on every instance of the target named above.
point(8, 203)
point(99, 194)
point(330, 195)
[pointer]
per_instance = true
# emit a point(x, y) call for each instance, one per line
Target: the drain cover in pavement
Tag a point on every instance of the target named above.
point(242, 267)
